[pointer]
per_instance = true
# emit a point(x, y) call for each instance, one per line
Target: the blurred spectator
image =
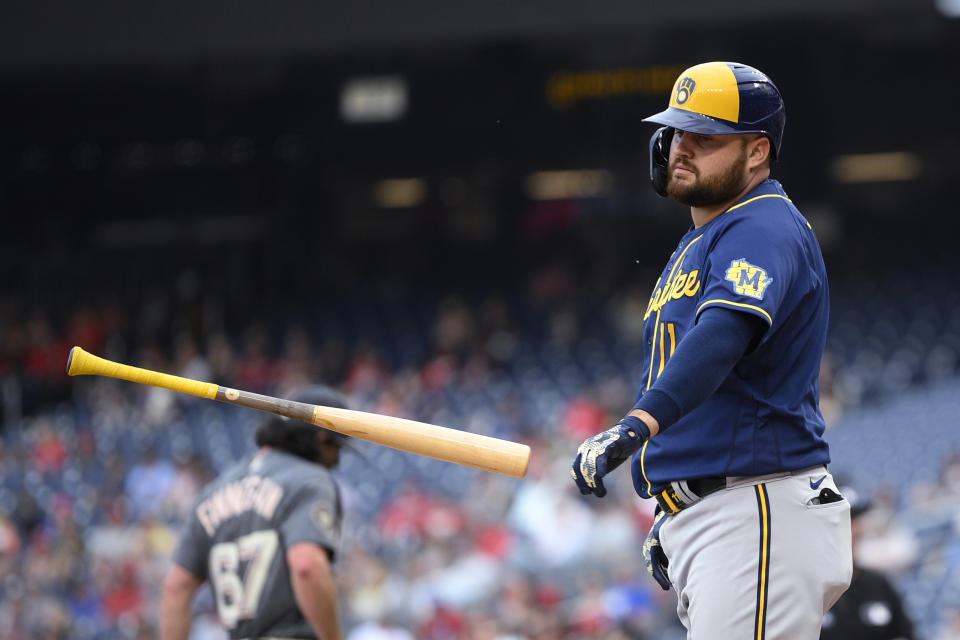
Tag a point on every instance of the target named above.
point(43, 353)
point(516, 603)
point(414, 514)
point(371, 588)
point(221, 359)
point(257, 368)
point(41, 359)
point(188, 362)
point(123, 595)
point(588, 615)
point(871, 608)
point(943, 494)
point(159, 404)
point(627, 311)
point(543, 507)
point(299, 365)
point(445, 623)
point(380, 630)
point(454, 330)
point(190, 476)
point(46, 618)
point(498, 331)
point(951, 626)
point(85, 329)
point(149, 482)
point(884, 542)
point(366, 371)
point(563, 326)
point(49, 452)
point(9, 543)
point(831, 404)
point(583, 416)
point(27, 514)
point(85, 604)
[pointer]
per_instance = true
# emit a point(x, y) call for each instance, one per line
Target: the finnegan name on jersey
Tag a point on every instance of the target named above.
point(261, 495)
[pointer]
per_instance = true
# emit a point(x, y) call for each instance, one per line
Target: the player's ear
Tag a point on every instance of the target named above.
point(758, 151)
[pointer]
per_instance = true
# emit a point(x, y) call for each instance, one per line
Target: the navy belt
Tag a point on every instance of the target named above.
point(686, 493)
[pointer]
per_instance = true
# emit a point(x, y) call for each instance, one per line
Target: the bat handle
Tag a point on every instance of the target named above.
point(80, 363)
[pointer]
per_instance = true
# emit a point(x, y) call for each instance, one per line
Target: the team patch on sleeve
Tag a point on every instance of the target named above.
point(323, 519)
point(748, 279)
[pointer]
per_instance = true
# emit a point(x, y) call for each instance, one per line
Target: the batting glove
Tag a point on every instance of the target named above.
point(653, 554)
point(606, 451)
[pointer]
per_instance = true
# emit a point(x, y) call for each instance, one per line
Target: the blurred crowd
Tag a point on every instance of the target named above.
point(96, 475)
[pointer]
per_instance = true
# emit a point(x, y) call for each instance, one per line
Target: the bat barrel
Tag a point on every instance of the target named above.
point(443, 443)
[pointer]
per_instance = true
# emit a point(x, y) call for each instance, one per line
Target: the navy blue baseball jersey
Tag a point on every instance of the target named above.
point(759, 257)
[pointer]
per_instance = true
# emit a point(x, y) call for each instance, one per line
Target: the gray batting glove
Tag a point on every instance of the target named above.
point(653, 555)
point(606, 451)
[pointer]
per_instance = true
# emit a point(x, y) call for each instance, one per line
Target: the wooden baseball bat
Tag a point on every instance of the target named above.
point(442, 443)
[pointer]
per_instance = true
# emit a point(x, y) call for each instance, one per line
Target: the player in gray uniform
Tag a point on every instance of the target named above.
point(265, 535)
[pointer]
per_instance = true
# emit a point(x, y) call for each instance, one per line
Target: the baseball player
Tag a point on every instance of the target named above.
point(265, 534)
point(726, 434)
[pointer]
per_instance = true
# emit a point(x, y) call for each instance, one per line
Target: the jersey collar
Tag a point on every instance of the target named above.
point(768, 187)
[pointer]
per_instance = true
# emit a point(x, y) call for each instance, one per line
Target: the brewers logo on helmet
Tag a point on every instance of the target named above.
point(717, 98)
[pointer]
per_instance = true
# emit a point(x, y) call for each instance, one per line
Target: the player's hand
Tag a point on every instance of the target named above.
point(606, 451)
point(653, 554)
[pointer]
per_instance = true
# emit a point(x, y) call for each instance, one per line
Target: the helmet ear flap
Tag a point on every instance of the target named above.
point(660, 159)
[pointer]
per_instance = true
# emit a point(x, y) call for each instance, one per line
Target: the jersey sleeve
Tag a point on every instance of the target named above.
point(192, 548)
point(750, 268)
point(314, 515)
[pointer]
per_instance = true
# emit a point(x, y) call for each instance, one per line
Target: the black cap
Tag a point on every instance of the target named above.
point(324, 396)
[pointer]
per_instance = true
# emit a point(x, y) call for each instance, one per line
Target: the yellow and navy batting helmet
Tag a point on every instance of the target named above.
point(725, 97)
point(717, 98)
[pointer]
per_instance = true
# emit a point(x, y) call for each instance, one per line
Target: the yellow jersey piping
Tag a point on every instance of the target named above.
point(736, 304)
point(769, 195)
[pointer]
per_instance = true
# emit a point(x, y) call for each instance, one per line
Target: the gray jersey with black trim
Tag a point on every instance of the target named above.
point(240, 529)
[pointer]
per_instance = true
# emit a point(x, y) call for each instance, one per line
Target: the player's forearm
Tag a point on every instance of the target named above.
point(703, 360)
point(316, 594)
point(175, 604)
point(174, 626)
point(317, 599)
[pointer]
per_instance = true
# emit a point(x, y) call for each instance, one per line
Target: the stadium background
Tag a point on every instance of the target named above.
point(442, 209)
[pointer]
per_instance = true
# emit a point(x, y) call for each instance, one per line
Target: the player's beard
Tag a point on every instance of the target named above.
point(712, 190)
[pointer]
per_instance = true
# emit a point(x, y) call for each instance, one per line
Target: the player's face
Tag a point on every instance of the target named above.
point(706, 170)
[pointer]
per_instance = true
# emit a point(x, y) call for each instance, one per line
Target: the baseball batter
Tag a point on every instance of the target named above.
point(726, 434)
point(264, 534)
